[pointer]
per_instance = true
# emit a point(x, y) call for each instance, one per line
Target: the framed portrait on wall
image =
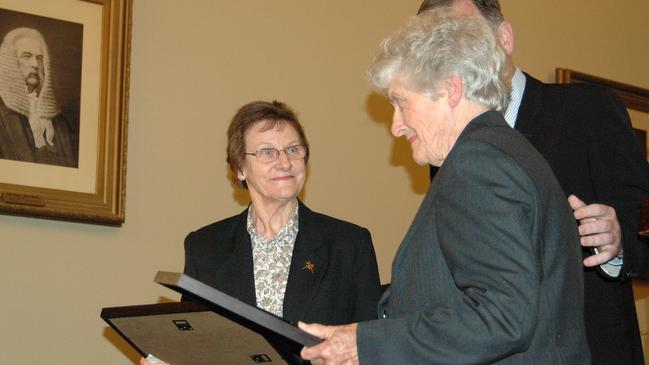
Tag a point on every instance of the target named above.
point(64, 72)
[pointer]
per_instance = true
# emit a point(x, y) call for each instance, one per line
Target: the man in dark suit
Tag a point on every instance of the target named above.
point(585, 134)
point(490, 270)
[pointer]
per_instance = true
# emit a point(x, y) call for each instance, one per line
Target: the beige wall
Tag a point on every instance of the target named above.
point(193, 63)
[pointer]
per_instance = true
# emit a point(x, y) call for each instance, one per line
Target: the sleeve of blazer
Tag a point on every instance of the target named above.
point(620, 175)
point(190, 266)
point(487, 222)
point(366, 280)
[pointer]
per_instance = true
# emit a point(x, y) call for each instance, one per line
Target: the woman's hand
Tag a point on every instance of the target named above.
point(152, 361)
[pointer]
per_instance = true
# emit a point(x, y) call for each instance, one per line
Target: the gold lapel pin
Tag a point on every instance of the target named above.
point(308, 265)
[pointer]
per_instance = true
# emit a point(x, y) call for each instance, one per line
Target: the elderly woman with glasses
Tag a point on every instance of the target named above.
point(490, 269)
point(278, 254)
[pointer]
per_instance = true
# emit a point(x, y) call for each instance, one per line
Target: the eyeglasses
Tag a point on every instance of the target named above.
point(270, 154)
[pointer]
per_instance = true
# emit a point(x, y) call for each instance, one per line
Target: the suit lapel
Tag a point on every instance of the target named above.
point(308, 265)
point(240, 280)
point(424, 208)
point(427, 204)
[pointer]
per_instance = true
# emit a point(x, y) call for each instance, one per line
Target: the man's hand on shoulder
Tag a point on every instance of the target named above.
point(598, 229)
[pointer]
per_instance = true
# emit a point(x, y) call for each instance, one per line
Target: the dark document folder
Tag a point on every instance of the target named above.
point(217, 329)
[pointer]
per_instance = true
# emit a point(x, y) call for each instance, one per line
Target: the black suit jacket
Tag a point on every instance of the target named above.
point(585, 134)
point(344, 286)
point(490, 269)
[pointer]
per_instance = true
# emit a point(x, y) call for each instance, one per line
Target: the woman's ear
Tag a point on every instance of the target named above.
point(455, 90)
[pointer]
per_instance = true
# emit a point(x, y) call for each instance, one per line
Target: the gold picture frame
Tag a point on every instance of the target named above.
point(634, 97)
point(93, 191)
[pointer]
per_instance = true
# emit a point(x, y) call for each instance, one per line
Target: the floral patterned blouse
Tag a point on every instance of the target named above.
point(271, 262)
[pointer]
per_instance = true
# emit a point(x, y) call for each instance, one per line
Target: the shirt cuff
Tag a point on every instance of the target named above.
point(613, 267)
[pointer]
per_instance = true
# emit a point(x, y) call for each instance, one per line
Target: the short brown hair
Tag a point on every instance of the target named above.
point(490, 9)
point(274, 114)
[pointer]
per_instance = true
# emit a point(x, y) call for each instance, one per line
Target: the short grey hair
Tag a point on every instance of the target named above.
point(440, 43)
point(490, 9)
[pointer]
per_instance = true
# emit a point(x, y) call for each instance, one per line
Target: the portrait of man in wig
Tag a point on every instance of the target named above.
point(32, 127)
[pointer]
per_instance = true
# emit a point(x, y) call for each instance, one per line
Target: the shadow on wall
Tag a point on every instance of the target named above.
point(120, 343)
point(641, 294)
point(380, 111)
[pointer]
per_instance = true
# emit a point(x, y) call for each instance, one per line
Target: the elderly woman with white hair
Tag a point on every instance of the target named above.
point(490, 269)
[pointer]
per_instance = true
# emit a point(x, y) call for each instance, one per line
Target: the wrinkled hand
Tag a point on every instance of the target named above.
point(338, 347)
point(598, 228)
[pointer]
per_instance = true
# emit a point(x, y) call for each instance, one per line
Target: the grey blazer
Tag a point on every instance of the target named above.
point(490, 269)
